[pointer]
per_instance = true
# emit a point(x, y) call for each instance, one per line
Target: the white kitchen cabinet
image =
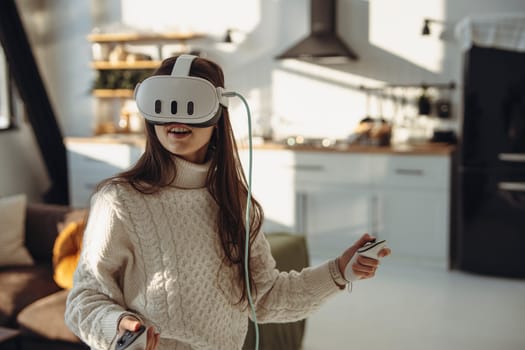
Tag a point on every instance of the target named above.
point(334, 217)
point(334, 197)
point(412, 205)
point(91, 161)
point(415, 223)
point(323, 195)
point(415, 171)
point(324, 199)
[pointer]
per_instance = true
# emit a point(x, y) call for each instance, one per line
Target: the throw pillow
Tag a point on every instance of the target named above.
point(75, 215)
point(12, 231)
point(66, 253)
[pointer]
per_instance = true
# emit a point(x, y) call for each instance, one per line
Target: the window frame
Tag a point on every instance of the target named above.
point(7, 118)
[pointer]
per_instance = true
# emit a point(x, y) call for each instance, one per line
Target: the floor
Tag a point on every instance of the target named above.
point(409, 306)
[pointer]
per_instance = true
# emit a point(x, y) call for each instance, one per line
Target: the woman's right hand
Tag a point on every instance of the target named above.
point(130, 323)
point(363, 267)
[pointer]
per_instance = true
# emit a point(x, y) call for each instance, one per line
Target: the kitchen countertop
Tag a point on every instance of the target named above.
point(126, 139)
point(422, 149)
point(403, 149)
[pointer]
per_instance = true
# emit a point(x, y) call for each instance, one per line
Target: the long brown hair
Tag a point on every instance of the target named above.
point(226, 180)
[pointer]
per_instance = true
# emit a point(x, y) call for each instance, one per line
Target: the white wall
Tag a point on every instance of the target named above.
point(386, 36)
point(22, 169)
point(294, 97)
point(290, 96)
point(57, 31)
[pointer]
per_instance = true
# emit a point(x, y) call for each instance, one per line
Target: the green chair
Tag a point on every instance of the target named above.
point(290, 253)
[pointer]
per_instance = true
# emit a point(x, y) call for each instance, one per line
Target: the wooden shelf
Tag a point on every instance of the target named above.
point(125, 65)
point(113, 93)
point(142, 37)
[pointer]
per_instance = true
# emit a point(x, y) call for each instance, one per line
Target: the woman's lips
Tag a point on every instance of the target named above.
point(178, 130)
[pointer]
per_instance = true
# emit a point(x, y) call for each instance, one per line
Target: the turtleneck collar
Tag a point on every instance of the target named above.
point(190, 175)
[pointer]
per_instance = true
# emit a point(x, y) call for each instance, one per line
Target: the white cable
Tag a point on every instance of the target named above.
point(247, 223)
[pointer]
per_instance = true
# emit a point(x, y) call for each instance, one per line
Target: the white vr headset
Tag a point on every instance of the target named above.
point(180, 98)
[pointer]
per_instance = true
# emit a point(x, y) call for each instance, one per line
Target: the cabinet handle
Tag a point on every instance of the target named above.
point(512, 157)
point(411, 172)
point(512, 186)
point(308, 167)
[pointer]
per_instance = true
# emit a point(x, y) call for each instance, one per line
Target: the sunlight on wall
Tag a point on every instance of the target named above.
point(4, 109)
point(178, 15)
point(395, 26)
point(239, 116)
point(312, 100)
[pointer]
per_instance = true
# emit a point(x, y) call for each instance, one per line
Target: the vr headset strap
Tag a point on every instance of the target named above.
point(182, 66)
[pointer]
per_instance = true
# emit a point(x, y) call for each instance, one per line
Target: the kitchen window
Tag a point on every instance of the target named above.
point(6, 98)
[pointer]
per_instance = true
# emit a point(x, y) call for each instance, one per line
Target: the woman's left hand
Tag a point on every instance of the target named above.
point(363, 267)
point(132, 324)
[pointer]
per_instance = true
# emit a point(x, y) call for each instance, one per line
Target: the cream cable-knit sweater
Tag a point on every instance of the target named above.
point(158, 257)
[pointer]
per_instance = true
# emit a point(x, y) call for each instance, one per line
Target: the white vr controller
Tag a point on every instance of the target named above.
point(132, 340)
point(370, 250)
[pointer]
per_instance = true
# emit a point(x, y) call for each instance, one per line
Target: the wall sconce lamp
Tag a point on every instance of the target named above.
point(228, 36)
point(426, 25)
point(233, 35)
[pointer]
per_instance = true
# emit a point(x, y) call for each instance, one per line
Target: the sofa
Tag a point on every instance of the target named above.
point(33, 303)
point(30, 300)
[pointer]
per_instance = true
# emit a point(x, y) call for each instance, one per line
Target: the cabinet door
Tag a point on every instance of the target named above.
point(333, 201)
point(412, 206)
point(415, 223)
point(334, 218)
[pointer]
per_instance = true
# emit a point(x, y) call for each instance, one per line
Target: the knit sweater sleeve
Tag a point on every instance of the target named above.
point(287, 296)
point(95, 304)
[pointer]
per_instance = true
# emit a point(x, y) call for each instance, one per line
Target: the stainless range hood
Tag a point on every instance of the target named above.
point(322, 43)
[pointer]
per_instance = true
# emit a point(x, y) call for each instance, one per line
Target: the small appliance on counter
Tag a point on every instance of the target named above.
point(373, 132)
point(444, 136)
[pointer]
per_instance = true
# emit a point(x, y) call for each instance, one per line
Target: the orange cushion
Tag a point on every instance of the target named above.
point(66, 252)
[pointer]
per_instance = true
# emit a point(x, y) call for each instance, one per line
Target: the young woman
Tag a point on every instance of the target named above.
point(164, 247)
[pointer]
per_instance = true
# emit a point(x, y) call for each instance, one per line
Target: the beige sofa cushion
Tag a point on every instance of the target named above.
point(12, 231)
point(45, 317)
point(21, 286)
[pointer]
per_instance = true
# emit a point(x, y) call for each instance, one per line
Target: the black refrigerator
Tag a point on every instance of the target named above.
point(491, 169)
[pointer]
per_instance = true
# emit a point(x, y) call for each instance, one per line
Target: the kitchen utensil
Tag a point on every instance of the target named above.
point(424, 103)
point(443, 106)
point(379, 100)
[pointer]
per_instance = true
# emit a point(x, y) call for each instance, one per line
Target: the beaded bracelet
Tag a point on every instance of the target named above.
point(338, 278)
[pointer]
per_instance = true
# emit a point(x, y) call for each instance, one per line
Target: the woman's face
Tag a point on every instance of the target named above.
point(185, 141)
